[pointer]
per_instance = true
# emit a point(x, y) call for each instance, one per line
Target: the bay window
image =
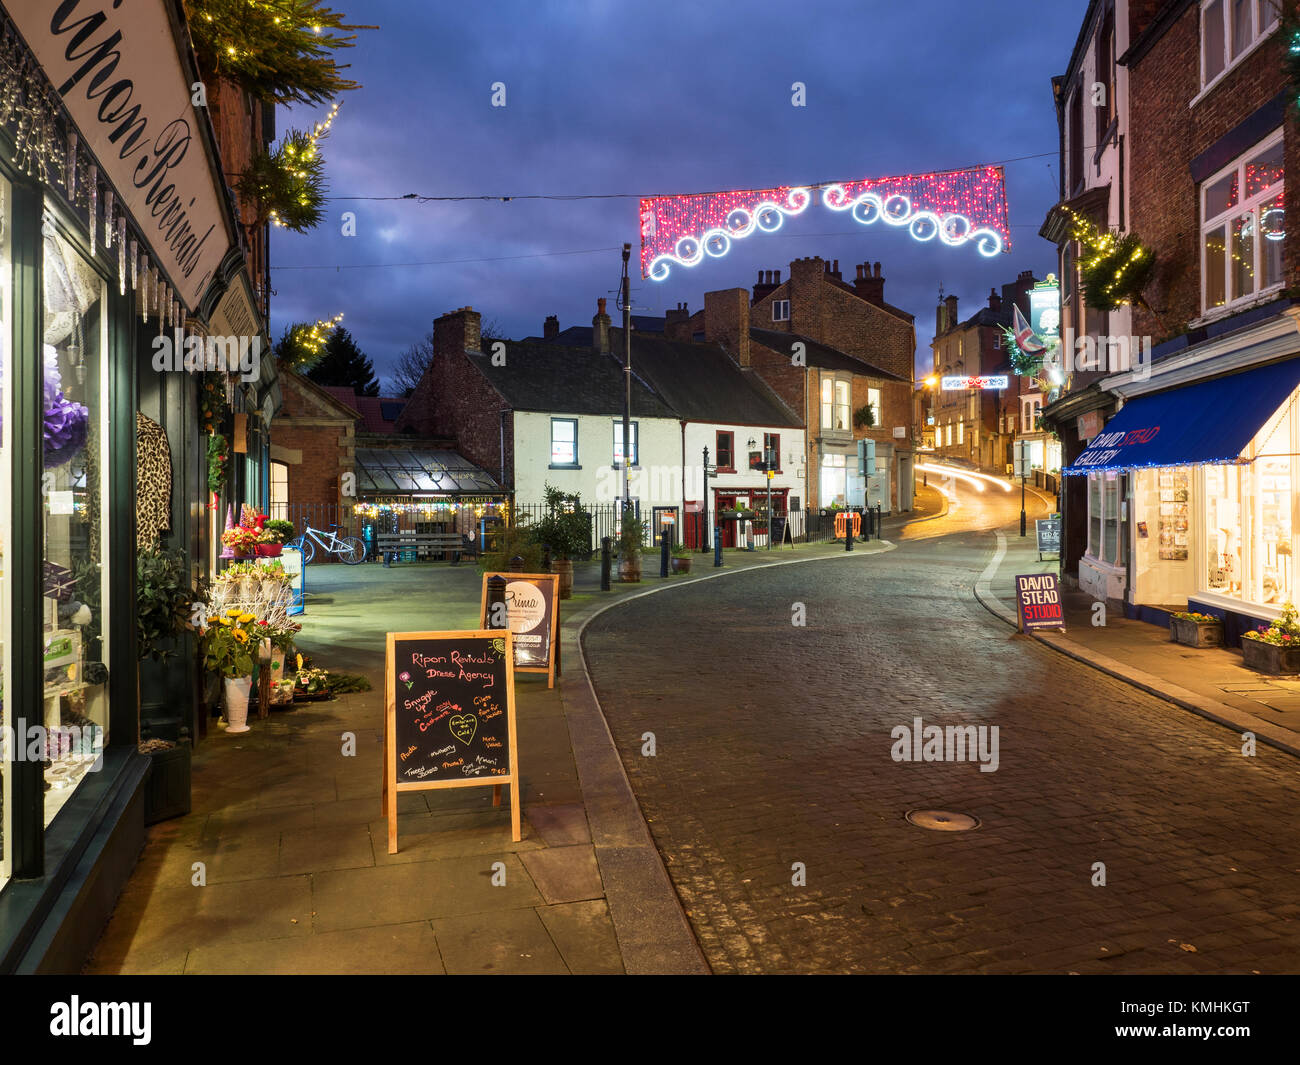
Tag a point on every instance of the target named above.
point(1243, 227)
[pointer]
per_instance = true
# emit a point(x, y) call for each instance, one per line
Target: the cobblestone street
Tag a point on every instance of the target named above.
point(773, 747)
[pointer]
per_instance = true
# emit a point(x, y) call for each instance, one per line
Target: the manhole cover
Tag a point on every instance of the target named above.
point(943, 820)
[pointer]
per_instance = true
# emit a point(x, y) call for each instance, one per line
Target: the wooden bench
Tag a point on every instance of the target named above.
point(424, 544)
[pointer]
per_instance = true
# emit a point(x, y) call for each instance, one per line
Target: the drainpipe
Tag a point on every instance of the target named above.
point(504, 412)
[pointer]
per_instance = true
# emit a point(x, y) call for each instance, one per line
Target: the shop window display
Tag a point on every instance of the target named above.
point(76, 706)
point(1172, 523)
point(1250, 518)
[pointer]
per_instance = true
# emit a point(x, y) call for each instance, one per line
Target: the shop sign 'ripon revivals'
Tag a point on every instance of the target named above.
point(132, 103)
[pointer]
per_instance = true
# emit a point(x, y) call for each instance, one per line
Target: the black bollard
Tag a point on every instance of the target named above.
point(605, 561)
point(848, 530)
point(880, 522)
point(497, 617)
point(663, 555)
point(717, 547)
point(517, 564)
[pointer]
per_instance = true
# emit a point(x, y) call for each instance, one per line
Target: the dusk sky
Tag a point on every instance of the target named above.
point(639, 99)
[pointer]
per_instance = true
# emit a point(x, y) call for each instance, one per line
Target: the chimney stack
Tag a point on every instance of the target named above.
point(457, 332)
point(600, 328)
point(995, 301)
point(768, 281)
point(870, 286)
point(726, 322)
point(677, 323)
point(551, 327)
point(950, 304)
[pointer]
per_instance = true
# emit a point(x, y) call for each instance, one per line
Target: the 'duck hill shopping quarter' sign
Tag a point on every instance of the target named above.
point(450, 717)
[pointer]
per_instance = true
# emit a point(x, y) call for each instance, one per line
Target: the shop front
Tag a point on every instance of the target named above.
point(91, 274)
point(1192, 501)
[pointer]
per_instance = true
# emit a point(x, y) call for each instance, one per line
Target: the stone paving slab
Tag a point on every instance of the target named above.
point(389, 950)
point(565, 874)
point(513, 942)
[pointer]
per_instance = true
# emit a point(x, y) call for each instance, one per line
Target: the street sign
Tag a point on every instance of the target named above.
point(1038, 602)
point(866, 458)
point(1021, 455)
point(1048, 531)
point(967, 384)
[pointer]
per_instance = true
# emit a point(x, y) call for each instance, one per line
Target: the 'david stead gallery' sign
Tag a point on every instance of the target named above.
point(117, 70)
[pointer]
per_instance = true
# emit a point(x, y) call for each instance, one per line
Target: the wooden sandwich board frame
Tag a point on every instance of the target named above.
point(552, 666)
point(392, 787)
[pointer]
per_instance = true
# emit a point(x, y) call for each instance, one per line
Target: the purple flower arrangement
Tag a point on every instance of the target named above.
point(66, 421)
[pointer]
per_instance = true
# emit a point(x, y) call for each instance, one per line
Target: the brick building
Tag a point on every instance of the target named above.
point(1093, 104)
point(829, 349)
point(313, 444)
point(1189, 490)
point(549, 410)
point(980, 426)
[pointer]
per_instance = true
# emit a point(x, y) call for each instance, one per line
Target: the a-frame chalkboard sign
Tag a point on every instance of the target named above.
point(449, 718)
point(533, 610)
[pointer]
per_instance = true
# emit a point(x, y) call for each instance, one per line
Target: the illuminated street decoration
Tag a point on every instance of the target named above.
point(955, 207)
point(978, 384)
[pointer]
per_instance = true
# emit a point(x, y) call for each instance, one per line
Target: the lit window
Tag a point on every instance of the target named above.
point(828, 403)
point(279, 490)
point(842, 402)
point(873, 401)
point(1243, 227)
point(961, 432)
point(564, 441)
point(618, 444)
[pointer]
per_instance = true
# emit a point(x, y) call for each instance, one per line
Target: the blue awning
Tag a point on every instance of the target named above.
point(1208, 423)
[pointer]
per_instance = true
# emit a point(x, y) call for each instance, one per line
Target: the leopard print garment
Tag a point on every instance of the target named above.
point(153, 482)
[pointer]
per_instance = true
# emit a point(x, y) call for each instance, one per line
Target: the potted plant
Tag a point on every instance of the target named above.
point(241, 540)
point(630, 538)
point(228, 645)
point(566, 530)
point(864, 417)
point(274, 535)
point(512, 541)
point(278, 645)
point(164, 595)
point(1274, 648)
point(681, 560)
point(1195, 630)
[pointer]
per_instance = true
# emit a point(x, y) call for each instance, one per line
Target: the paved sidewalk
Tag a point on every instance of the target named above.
point(1211, 682)
point(282, 867)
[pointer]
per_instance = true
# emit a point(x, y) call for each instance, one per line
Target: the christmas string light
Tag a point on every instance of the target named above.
point(957, 207)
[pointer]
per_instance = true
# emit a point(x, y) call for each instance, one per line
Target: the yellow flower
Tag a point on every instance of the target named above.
point(233, 612)
point(241, 636)
point(224, 621)
point(244, 619)
point(213, 621)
